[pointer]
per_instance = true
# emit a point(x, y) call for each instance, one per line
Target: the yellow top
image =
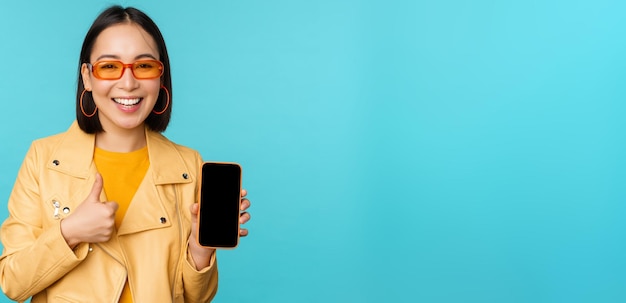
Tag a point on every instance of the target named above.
point(122, 173)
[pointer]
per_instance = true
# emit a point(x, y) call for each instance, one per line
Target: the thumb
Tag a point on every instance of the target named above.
point(96, 190)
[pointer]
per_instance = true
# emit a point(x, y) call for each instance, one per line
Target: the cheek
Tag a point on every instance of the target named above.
point(100, 90)
point(154, 87)
point(152, 90)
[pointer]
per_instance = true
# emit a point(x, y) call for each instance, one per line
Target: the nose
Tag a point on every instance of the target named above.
point(128, 80)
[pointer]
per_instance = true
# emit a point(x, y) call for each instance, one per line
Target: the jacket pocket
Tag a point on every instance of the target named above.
point(56, 208)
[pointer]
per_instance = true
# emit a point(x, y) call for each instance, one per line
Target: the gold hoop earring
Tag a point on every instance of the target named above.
point(82, 109)
point(166, 104)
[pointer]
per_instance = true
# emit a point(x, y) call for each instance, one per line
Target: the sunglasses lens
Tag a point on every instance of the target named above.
point(108, 69)
point(147, 69)
point(142, 69)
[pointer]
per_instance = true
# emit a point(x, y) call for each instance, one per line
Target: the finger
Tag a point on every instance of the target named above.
point(244, 217)
point(243, 232)
point(244, 193)
point(194, 209)
point(245, 203)
point(96, 190)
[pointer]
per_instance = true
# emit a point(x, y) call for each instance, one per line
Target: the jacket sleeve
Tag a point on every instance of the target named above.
point(198, 285)
point(33, 257)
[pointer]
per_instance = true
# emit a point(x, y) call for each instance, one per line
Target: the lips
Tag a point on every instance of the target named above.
point(127, 101)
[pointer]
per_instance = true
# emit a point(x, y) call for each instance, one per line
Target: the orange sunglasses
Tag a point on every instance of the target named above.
point(114, 70)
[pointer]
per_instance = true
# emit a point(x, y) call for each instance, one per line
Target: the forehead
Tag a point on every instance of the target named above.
point(126, 42)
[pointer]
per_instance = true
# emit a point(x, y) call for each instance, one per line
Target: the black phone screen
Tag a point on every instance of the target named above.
point(220, 194)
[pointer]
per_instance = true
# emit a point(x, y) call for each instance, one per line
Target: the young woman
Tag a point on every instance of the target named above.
point(106, 211)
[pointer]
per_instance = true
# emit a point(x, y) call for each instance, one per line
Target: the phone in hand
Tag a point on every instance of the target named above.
point(220, 199)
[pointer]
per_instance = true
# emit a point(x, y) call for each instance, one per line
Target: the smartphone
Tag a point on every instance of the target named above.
point(220, 199)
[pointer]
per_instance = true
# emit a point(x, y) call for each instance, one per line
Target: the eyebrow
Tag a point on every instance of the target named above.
point(118, 57)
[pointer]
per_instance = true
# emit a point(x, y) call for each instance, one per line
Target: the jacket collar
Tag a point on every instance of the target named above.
point(74, 156)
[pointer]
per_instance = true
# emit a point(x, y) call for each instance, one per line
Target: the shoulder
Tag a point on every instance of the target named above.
point(160, 142)
point(42, 151)
point(49, 143)
point(164, 151)
point(187, 153)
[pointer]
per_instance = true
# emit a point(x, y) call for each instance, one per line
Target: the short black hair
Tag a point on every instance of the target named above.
point(112, 16)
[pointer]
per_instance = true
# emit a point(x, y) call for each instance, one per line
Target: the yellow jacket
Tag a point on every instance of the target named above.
point(150, 247)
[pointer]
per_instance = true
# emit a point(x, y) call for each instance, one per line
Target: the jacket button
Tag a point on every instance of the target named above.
point(185, 176)
point(66, 210)
point(55, 162)
point(90, 248)
point(163, 220)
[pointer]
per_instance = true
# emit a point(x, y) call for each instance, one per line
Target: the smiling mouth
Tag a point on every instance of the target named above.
point(127, 101)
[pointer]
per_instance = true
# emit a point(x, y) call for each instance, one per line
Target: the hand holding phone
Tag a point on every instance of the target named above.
point(220, 198)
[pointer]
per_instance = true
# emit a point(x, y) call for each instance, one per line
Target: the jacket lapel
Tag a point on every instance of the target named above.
point(74, 154)
point(168, 166)
point(148, 208)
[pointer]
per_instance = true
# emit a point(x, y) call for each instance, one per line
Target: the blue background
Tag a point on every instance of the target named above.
point(424, 151)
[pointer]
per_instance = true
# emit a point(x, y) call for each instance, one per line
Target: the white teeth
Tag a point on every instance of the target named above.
point(127, 102)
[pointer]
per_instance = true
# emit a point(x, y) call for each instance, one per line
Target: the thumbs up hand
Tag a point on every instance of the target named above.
point(93, 220)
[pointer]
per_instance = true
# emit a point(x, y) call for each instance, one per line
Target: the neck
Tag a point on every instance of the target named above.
point(122, 141)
